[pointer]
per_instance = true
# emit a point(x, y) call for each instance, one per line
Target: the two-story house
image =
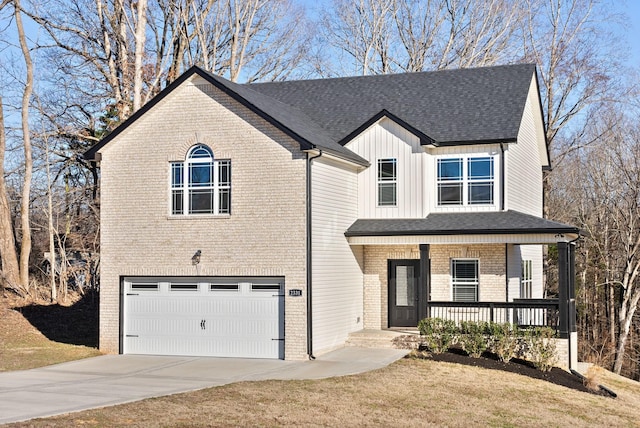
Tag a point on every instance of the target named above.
point(272, 220)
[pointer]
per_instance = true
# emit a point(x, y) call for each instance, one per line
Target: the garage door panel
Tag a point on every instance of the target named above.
point(212, 318)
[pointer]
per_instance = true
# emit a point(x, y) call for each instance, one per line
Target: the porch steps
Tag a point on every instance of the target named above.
point(377, 338)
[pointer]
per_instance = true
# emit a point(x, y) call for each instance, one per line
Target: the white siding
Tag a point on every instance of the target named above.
point(524, 161)
point(514, 270)
point(534, 253)
point(337, 272)
point(386, 139)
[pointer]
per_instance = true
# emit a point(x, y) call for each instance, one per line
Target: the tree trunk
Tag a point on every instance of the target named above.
point(25, 246)
point(8, 255)
point(141, 27)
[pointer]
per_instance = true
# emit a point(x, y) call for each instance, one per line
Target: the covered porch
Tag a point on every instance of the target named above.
point(467, 267)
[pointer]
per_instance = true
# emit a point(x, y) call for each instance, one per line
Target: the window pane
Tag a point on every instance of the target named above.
point(200, 152)
point(224, 173)
point(465, 270)
point(463, 293)
point(481, 193)
point(177, 169)
point(404, 286)
point(177, 202)
point(386, 193)
point(224, 201)
point(450, 194)
point(386, 169)
point(200, 175)
point(481, 168)
point(450, 169)
point(201, 201)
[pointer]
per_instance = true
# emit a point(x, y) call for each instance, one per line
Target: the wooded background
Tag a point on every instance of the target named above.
point(72, 70)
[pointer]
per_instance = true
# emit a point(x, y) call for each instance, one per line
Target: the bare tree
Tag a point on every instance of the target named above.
point(8, 255)
point(25, 245)
point(383, 36)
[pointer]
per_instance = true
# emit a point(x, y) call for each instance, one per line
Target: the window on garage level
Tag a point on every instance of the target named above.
point(201, 184)
point(464, 280)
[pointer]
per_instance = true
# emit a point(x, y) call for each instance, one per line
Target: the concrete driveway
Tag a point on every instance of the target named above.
point(116, 379)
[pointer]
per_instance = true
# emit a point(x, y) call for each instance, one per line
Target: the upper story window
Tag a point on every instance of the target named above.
point(466, 180)
point(201, 184)
point(387, 182)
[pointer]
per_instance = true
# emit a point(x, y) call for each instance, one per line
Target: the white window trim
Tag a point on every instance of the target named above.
point(216, 187)
point(393, 181)
point(465, 181)
point(453, 283)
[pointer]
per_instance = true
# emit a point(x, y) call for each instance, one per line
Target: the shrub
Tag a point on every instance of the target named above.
point(438, 334)
point(472, 337)
point(541, 348)
point(504, 340)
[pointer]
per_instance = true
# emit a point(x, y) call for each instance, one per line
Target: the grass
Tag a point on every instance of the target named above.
point(410, 392)
point(24, 347)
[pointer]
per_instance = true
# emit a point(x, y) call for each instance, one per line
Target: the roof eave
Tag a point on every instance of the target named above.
point(557, 231)
point(424, 138)
point(90, 154)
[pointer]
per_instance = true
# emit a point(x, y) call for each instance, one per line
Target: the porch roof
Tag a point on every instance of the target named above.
point(490, 224)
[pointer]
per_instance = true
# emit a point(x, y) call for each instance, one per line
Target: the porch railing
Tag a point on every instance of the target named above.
point(522, 312)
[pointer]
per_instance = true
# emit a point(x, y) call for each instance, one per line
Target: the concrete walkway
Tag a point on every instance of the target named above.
point(116, 379)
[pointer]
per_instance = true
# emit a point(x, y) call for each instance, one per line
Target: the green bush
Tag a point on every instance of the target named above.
point(438, 334)
point(505, 340)
point(472, 337)
point(541, 348)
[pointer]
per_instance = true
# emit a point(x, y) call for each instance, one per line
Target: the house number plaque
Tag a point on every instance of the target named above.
point(295, 292)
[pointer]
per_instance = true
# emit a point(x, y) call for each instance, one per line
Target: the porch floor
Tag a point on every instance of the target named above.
point(370, 338)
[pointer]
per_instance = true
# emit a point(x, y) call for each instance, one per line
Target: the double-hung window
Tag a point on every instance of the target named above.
point(464, 280)
point(387, 182)
point(201, 184)
point(526, 280)
point(466, 180)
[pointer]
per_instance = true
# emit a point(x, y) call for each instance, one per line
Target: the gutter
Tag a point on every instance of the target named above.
point(309, 259)
point(502, 177)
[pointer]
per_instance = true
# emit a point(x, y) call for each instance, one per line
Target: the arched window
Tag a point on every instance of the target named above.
point(201, 184)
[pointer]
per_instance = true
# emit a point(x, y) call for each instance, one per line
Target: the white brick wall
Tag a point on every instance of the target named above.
point(492, 270)
point(492, 275)
point(265, 235)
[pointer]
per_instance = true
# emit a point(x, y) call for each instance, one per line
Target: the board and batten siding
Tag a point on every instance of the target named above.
point(479, 150)
point(384, 140)
point(337, 306)
point(534, 253)
point(524, 161)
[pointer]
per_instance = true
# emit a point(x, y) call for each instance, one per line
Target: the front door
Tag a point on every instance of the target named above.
point(403, 292)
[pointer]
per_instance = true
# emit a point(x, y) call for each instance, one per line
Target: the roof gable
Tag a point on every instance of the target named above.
point(449, 107)
point(452, 107)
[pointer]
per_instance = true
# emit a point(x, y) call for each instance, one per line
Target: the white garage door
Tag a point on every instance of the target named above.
point(220, 317)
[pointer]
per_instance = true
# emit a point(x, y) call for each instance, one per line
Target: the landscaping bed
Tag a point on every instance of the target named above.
point(556, 375)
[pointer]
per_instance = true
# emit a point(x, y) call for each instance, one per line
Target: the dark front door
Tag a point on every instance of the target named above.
point(403, 292)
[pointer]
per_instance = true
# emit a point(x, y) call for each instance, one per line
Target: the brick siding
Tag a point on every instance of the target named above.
point(265, 235)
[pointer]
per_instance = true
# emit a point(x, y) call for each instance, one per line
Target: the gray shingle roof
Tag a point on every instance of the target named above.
point(442, 107)
point(501, 222)
point(290, 117)
point(450, 106)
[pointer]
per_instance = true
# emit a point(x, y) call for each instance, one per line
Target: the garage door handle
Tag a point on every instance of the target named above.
point(278, 339)
point(203, 324)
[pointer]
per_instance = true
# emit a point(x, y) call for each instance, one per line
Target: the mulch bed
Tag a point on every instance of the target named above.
point(490, 361)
